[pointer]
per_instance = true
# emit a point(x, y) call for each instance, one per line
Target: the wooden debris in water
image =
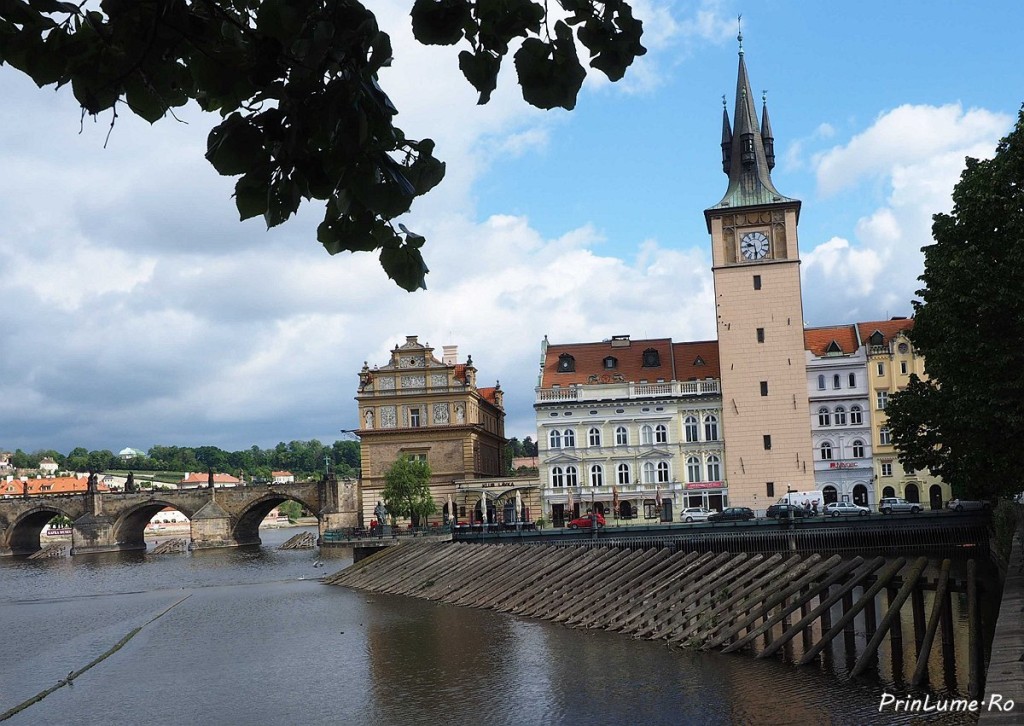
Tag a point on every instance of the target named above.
point(53, 550)
point(301, 541)
point(171, 545)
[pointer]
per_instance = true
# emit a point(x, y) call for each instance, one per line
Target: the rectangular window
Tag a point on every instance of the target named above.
point(853, 380)
point(757, 282)
point(903, 367)
point(881, 369)
point(764, 388)
point(414, 417)
point(770, 488)
point(767, 442)
point(760, 335)
point(886, 469)
point(881, 400)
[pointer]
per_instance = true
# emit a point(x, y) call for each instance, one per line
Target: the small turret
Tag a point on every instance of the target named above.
point(726, 139)
point(767, 139)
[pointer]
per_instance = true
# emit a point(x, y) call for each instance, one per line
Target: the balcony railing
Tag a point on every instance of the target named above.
point(604, 391)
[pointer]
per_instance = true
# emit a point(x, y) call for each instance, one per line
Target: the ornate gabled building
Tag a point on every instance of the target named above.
point(630, 428)
point(759, 313)
point(891, 359)
point(840, 419)
point(421, 407)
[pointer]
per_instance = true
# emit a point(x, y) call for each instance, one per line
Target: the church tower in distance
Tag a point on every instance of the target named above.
point(759, 310)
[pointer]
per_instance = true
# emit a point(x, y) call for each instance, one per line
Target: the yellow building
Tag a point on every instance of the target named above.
point(429, 409)
point(891, 359)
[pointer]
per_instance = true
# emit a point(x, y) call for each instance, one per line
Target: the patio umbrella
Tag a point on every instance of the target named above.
point(483, 507)
point(451, 511)
point(568, 504)
point(615, 500)
point(519, 506)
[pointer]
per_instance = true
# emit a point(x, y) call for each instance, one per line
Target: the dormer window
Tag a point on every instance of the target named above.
point(651, 359)
point(610, 362)
point(566, 363)
point(698, 361)
point(833, 349)
point(876, 339)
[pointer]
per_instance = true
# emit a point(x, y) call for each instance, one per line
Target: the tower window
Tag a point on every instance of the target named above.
point(764, 388)
point(767, 442)
point(760, 335)
point(770, 488)
point(757, 282)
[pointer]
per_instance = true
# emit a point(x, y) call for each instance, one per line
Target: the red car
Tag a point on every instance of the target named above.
point(585, 521)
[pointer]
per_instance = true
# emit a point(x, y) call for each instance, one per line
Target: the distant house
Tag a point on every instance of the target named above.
point(5, 460)
point(48, 465)
point(283, 477)
point(12, 487)
point(198, 481)
point(129, 453)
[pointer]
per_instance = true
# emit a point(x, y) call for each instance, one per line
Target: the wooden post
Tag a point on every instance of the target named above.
point(973, 636)
point(933, 624)
point(891, 619)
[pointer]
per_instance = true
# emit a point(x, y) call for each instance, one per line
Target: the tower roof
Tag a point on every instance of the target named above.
point(746, 160)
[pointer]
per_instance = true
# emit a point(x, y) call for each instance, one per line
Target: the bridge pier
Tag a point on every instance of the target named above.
point(93, 533)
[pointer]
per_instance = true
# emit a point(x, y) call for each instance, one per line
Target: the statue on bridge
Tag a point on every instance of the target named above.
point(381, 513)
point(91, 484)
point(129, 484)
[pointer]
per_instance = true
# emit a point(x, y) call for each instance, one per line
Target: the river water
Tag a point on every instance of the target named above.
point(250, 636)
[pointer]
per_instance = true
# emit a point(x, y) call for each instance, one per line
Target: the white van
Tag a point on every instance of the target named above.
point(797, 499)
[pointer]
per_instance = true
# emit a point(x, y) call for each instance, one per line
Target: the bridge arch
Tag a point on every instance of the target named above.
point(247, 527)
point(130, 528)
point(23, 535)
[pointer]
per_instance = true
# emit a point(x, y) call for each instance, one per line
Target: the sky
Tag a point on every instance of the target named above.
point(138, 311)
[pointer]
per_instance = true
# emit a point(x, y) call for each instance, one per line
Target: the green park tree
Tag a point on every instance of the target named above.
point(407, 490)
point(962, 423)
point(295, 83)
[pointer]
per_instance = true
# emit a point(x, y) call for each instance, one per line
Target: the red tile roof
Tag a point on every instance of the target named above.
point(818, 340)
point(888, 328)
point(488, 394)
point(197, 478)
point(54, 485)
point(676, 361)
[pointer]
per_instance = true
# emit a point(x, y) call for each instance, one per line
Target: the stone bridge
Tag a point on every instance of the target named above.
point(228, 517)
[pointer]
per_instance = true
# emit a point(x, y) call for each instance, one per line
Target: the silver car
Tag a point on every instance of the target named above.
point(959, 505)
point(890, 505)
point(694, 514)
point(845, 509)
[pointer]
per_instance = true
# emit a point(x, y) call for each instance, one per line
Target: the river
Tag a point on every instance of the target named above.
point(250, 636)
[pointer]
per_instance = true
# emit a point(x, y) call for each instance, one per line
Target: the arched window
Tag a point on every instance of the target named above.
point(690, 428)
point(566, 363)
point(821, 383)
point(555, 439)
point(856, 418)
point(557, 479)
point(853, 380)
point(621, 436)
point(858, 449)
point(648, 472)
point(571, 478)
point(594, 437)
point(824, 419)
point(835, 381)
point(663, 472)
point(711, 428)
point(622, 473)
point(569, 439)
point(714, 468)
point(596, 475)
point(661, 434)
point(651, 359)
point(826, 450)
point(646, 435)
point(840, 416)
point(693, 469)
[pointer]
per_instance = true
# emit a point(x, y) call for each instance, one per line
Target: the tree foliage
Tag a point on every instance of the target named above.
point(295, 83)
point(407, 489)
point(962, 423)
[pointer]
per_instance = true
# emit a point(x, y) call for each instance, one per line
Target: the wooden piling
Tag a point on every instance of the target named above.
point(933, 624)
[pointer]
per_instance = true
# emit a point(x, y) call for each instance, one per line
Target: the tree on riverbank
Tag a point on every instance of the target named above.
point(407, 490)
point(963, 423)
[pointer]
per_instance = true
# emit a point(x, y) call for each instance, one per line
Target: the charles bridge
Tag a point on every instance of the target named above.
point(225, 517)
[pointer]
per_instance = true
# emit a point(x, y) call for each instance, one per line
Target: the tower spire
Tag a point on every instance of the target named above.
point(766, 132)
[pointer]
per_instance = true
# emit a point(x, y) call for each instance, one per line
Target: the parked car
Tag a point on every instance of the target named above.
point(890, 505)
point(785, 511)
point(586, 521)
point(695, 514)
point(959, 505)
point(730, 514)
point(845, 509)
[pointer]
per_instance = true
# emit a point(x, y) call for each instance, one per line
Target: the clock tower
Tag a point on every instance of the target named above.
point(759, 311)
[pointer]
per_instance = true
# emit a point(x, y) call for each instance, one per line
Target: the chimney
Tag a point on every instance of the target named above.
point(451, 355)
point(411, 340)
point(620, 341)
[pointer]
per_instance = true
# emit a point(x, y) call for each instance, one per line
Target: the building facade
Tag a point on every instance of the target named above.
point(840, 418)
point(424, 408)
point(629, 428)
point(759, 313)
point(891, 359)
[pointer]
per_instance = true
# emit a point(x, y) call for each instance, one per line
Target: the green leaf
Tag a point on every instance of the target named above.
point(251, 196)
point(550, 74)
point(142, 100)
point(234, 146)
point(439, 22)
point(481, 70)
point(404, 264)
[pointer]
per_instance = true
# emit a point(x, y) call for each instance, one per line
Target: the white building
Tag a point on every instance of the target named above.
point(631, 428)
point(837, 393)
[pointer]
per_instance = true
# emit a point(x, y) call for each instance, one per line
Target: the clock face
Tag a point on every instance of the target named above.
point(754, 246)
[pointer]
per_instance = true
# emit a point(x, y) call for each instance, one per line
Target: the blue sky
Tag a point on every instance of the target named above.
point(138, 311)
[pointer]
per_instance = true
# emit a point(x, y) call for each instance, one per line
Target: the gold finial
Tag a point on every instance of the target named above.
point(764, 96)
point(723, 101)
point(739, 26)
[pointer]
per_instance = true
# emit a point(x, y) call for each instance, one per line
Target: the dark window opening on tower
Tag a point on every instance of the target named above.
point(757, 282)
point(767, 442)
point(770, 488)
point(760, 335)
point(764, 388)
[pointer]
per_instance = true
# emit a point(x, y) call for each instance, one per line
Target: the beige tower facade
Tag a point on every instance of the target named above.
point(759, 310)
